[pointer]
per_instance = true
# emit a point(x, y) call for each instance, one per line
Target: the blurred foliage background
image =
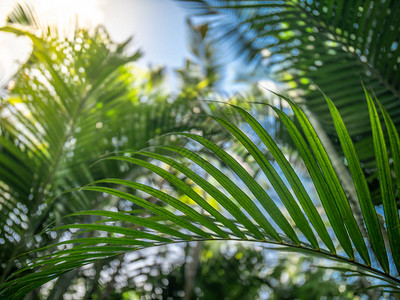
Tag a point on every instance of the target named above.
point(81, 96)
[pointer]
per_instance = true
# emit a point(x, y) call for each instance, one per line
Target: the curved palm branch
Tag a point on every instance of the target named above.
point(249, 213)
point(333, 44)
point(69, 104)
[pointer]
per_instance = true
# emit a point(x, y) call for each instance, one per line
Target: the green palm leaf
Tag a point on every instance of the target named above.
point(171, 221)
point(332, 44)
point(70, 103)
point(385, 180)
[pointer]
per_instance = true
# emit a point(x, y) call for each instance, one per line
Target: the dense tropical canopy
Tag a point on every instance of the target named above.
point(98, 160)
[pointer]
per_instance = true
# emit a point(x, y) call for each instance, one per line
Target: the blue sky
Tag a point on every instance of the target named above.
point(158, 28)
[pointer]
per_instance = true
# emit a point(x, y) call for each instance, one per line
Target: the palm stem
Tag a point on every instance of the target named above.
point(382, 275)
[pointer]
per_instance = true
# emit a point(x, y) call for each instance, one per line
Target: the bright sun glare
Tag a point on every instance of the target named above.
point(61, 13)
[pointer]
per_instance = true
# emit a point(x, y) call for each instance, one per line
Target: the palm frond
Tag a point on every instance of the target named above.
point(248, 213)
point(74, 100)
point(332, 44)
